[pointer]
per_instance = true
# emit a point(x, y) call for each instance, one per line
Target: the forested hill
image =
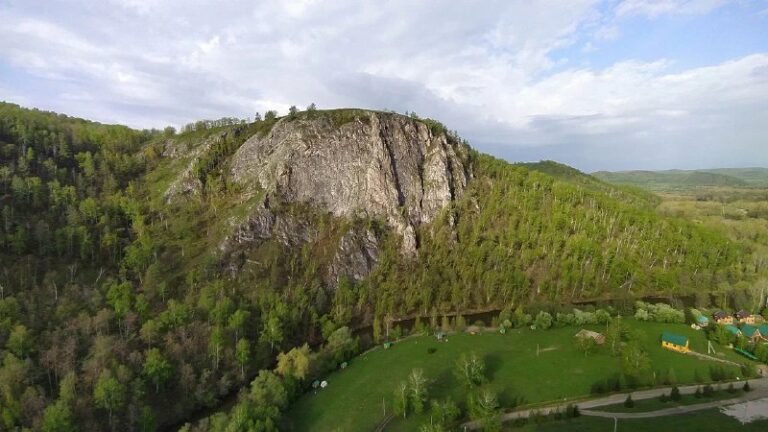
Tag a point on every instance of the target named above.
point(568, 174)
point(146, 274)
point(682, 179)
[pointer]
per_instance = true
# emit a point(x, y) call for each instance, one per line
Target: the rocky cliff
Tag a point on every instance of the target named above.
point(378, 165)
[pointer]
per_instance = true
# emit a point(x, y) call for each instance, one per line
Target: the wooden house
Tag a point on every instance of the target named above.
point(721, 317)
point(751, 332)
point(733, 330)
point(675, 342)
point(742, 316)
point(763, 331)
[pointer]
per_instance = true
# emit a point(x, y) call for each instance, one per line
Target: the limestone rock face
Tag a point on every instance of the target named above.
point(356, 256)
point(263, 224)
point(186, 184)
point(379, 165)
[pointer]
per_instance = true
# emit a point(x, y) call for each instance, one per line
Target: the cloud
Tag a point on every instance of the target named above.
point(497, 73)
point(655, 8)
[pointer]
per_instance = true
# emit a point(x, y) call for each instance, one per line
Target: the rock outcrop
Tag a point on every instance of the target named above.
point(186, 184)
point(355, 258)
point(377, 165)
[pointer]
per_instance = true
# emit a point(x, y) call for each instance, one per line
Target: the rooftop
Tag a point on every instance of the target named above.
point(674, 339)
point(749, 330)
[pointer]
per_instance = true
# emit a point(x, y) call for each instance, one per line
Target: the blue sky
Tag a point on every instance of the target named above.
point(618, 84)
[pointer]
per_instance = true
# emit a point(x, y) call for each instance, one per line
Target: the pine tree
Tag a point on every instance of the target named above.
point(628, 402)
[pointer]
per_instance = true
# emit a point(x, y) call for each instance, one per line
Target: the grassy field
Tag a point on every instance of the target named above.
point(356, 396)
point(702, 421)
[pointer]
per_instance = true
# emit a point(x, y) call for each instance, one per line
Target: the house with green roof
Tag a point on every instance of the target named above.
point(702, 321)
point(751, 332)
point(675, 342)
point(732, 329)
point(763, 330)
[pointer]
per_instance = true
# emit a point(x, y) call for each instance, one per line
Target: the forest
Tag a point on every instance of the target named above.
point(118, 313)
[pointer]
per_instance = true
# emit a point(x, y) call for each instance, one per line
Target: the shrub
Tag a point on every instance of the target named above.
point(697, 376)
point(747, 388)
point(708, 390)
point(675, 394)
point(628, 402)
point(614, 383)
point(717, 373)
point(543, 320)
point(730, 388)
point(664, 398)
point(602, 316)
point(598, 388)
point(697, 394)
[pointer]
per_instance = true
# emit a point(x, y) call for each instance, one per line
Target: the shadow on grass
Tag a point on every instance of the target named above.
point(493, 363)
point(509, 398)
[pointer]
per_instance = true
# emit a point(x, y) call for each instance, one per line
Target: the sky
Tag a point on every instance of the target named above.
point(599, 85)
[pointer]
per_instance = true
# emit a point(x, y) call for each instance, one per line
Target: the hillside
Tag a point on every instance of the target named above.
point(147, 274)
point(572, 175)
point(757, 177)
point(682, 179)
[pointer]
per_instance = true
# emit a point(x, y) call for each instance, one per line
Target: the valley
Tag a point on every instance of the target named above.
point(147, 276)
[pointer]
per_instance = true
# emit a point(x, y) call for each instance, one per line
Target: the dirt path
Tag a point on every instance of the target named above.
point(759, 386)
point(709, 357)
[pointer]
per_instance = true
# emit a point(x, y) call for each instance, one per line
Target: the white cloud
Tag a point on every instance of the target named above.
point(654, 8)
point(489, 71)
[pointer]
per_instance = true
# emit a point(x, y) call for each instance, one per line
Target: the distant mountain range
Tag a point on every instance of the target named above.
point(681, 179)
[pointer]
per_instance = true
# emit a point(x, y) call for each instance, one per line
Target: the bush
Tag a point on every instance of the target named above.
point(461, 323)
point(708, 391)
point(598, 388)
point(614, 383)
point(602, 316)
point(664, 398)
point(698, 394)
point(697, 376)
point(628, 402)
point(575, 412)
point(730, 388)
point(675, 394)
point(717, 373)
point(747, 388)
point(543, 320)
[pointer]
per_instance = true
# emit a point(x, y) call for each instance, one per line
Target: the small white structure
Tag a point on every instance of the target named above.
point(324, 384)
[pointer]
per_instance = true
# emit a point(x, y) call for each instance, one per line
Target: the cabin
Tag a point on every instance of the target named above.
point(763, 331)
point(722, 317)
point(751, 332)
point(702, 321)
point(752, 319)
point(733, 330)
point(742, 316)
point(675, 342)
point(597, 337)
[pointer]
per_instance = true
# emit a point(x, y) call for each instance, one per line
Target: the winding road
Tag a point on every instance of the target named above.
point(759, 390)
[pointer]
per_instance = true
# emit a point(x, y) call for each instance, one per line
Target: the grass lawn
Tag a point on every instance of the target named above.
point(701, 421)
point(655, 404)
point(355, 397)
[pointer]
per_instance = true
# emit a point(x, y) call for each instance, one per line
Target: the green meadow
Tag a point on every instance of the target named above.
point(523, 366)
